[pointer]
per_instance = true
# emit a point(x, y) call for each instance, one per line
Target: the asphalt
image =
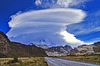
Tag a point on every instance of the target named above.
point(63, 62)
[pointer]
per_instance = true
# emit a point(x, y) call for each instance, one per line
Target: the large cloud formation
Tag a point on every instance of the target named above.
point(47, 25)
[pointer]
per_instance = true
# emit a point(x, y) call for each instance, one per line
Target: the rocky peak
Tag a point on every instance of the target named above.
point(3, 38)
point(68, 48)
point(59, 50)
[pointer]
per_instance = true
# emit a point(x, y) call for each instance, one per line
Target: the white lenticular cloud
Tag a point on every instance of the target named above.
point(48, 25)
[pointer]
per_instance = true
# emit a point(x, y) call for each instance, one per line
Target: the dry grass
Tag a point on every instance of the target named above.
point(33, 61)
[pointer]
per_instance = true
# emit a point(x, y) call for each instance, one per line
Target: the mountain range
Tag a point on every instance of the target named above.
point(13, 49)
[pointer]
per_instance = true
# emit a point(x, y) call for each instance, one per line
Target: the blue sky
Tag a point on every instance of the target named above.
point(88, 30)
point(92, 8)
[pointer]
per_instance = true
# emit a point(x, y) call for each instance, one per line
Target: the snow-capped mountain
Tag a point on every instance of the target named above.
point(44, 46)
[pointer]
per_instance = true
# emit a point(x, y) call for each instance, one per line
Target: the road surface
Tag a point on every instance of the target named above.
point(63, 62)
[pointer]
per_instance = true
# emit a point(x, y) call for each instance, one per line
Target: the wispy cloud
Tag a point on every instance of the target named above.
point(93, 40)
point(90, 25)
point(59, 3)
point(38, 2)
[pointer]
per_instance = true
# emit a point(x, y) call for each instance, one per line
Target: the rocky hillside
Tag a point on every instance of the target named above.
point(59, 50)
point(86, 49)
point(3, 38)
point(11, 49)
point(97, 47)
point(83, 49)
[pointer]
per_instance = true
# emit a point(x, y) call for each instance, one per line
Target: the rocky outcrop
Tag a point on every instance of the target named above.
point(97, 48)
point(74, 51)
point(3, 38)
point(59, 51)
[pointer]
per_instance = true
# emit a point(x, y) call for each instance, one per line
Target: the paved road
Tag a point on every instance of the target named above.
point(63, 62)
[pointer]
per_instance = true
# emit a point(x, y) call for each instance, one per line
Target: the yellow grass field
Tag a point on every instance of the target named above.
point(33, 61)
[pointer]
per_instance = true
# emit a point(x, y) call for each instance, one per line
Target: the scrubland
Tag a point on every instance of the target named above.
point(33, 61)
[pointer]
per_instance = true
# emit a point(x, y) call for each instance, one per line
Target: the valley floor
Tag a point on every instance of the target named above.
point(53, 61)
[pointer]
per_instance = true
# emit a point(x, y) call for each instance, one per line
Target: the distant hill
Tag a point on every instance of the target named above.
point(12, 49)
point(59, 50)
point(86, 49)
point(83, 49)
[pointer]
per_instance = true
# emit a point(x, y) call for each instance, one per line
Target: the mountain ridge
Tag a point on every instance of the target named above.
point(11, 49)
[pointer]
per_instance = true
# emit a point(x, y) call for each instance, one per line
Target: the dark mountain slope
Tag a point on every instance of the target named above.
point(11, 49)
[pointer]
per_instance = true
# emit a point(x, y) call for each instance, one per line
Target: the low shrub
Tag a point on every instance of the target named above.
point(15, 60)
